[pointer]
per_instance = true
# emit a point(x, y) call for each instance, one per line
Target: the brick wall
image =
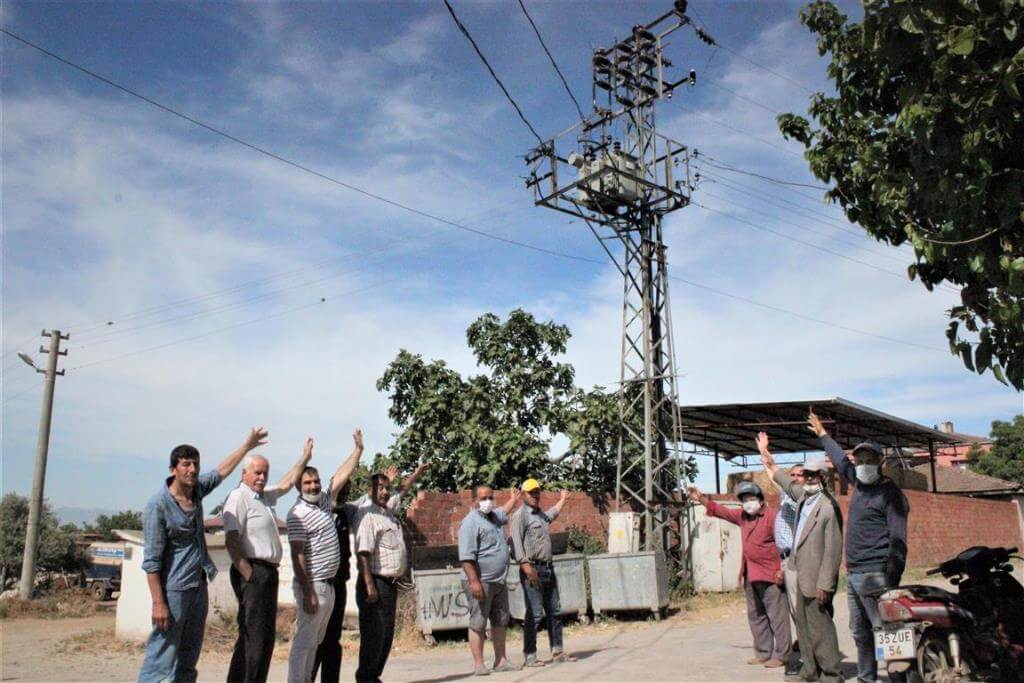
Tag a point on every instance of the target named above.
point(433, 518)
point(939, 526)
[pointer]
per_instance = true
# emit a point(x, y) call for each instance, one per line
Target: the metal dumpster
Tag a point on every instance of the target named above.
point(441, 604)
point(628, 581)
point(572, 587)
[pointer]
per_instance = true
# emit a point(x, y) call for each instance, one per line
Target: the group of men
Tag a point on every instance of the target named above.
point(791, 557)
point(178, 565)
point(485, 555)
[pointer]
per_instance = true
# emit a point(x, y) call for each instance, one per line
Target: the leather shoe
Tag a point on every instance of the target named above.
point(756, 660)
point(774, 664)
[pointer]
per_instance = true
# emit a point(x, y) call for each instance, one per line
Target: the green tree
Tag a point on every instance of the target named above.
point(497, 427)
point(1005, 460)
point(106, 524)
point(922, 144)
point(492, 427)
point(57, 548)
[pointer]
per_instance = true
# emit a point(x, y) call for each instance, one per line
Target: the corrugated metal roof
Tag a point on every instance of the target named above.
point(731, 427)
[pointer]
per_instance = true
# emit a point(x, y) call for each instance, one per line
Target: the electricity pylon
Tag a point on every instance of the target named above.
point(621, 177)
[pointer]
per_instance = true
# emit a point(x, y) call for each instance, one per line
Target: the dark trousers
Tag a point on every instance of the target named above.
point(376, 628)
point(540, 602)
point(819, 644)
point(257, 617)
point(328, 655)
point(768, 615)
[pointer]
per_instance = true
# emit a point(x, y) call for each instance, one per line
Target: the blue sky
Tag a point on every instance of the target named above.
point(116, 211)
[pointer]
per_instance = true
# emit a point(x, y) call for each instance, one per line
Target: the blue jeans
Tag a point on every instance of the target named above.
point(863, 589)
point(171, 655)
point(541, 601)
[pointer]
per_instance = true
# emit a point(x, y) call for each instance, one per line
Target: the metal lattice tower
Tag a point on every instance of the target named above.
point(622, 177)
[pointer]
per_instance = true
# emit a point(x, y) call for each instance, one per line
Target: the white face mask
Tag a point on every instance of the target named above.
point(811, 489)
point(867, 474)
point(486, 506)
point(311, 498)
point(751, 506)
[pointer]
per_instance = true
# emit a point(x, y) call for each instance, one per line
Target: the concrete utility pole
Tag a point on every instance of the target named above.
point(621, 177)
point(35, 509)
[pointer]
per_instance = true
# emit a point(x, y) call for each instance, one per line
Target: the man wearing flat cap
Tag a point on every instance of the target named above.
point(814, 564)
point(876, 540)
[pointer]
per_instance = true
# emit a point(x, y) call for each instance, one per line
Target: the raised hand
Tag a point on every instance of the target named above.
point(694, 493)
point(391, 473)
point(357, 437)
point(257, 437)
point(307, 451)
point(815, 425)
point(762, 443)
point(565, 494)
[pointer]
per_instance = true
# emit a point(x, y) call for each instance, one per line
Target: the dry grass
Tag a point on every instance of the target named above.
point(222, 631)
point(57, 605)
point(100, 641)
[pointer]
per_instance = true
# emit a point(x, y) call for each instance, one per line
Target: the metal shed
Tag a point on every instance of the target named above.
point(726, 431)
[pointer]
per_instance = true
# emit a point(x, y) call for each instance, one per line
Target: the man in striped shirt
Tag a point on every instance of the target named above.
point(316, 555)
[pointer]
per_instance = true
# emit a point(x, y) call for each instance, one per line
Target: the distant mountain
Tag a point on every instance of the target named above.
point(80, 516)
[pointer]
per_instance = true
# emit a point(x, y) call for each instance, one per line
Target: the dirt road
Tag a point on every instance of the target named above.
point(706, 646)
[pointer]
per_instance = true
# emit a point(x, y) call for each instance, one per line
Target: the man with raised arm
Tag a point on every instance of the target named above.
point(254, 544)
point(346, 521)
point(381, 550)
point(177, 564)
point(813, 566)
point(531, 540)
point(316, 556)
point(484, 555)
point(876, 540)
point(767, 609)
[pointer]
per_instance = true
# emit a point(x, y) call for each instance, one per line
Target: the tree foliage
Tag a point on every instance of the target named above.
point(106, 524)
point(922, 144)
point(496, 427)
point(1005, 460)
point(57, 548)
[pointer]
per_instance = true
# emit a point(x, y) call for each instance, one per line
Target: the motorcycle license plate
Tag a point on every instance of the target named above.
point(900, 643)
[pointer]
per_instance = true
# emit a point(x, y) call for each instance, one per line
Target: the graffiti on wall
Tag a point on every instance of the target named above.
point(443, 603)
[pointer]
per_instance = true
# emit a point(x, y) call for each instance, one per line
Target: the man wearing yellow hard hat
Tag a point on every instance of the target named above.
point(531, 541)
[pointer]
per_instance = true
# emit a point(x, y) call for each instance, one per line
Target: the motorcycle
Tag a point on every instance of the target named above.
point(977, 633)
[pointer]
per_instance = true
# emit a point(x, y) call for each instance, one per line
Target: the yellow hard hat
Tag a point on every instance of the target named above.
point(531, 485)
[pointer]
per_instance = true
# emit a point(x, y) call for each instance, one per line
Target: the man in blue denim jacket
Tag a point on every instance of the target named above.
point(177, 564)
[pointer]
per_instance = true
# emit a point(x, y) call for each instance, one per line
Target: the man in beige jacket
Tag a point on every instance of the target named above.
point(817, 551)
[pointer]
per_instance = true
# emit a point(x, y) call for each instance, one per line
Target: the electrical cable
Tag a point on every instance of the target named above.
point(553, 63)
point(866, 264)
point(718, 164)
point(425, 214)
point(497, 80)
point(810, 214)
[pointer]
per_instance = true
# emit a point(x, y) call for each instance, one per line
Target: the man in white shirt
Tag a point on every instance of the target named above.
point(253, 542)
point(316, 556)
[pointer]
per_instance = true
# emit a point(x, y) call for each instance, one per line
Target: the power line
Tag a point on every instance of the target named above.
point(109, 321)
point(812, 245)
point(425, 214)
point(253, 321)
point(803, 212)
point(553, 63)
point(718, 164)
point(283, 160)
point(497, 80)
point(747, 133)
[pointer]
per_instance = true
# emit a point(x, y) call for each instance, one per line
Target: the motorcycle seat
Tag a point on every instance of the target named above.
point(930, 593)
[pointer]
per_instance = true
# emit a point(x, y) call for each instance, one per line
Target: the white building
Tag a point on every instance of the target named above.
point(134, 606)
